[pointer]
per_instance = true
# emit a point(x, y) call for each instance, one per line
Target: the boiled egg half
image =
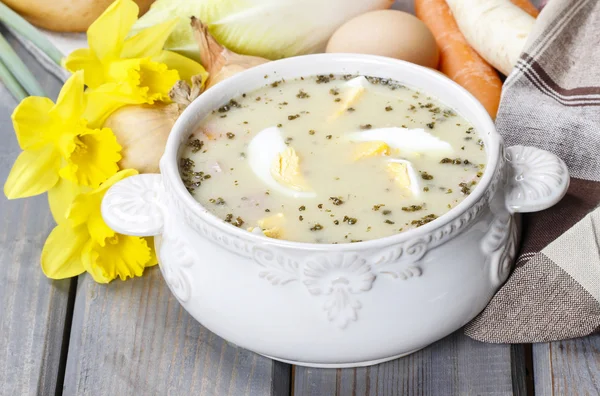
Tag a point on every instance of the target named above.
point(277, 165)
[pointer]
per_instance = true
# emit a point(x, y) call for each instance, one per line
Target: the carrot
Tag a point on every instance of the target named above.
point(526, 6)
point(458, 60)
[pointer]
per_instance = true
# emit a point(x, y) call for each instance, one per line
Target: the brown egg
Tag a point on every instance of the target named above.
point(390, 33)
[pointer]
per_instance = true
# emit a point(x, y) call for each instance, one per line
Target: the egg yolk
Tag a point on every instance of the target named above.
point(399, 172)
point(272, 226)
point(371, 149)
point(286, 170)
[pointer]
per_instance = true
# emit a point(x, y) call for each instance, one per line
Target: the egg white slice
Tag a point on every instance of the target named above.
point(408, 141)
point(262, 151)
point(415, 187)
point(353, 90)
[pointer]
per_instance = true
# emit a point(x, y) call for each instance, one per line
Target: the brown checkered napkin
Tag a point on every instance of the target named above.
point(552, 101)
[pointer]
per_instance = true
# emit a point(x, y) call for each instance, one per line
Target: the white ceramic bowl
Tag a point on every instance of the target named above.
point(348, 304)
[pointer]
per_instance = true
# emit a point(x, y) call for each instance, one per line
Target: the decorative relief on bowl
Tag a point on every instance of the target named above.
point(338, 277)
point(176, 256)
point(175, 260)
point(500, 247)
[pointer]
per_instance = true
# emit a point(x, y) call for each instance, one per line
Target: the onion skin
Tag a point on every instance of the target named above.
point(142, 132)
point(219, 62)
point(65, 15)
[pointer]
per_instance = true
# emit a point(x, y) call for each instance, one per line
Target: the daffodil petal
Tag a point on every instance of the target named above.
point(153, 258)
point(61, 255)
point(94, 159)
point(122, 256)
point(102, 102)
point(149, 42)
point(84, 59)
point(71, 101)
point(34, 172)
point(31, 121)
point(61, 196)
point(85, 208)
point(107, 34)
point(186, 67)
point(85, 211)
point(122, 174)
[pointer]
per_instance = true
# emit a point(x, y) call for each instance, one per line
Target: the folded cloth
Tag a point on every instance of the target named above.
point(552, 101)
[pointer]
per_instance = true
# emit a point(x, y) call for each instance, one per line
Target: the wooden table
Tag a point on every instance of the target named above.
point(76, 337)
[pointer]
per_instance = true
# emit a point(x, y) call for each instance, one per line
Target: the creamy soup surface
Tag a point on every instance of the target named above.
point(332, 159)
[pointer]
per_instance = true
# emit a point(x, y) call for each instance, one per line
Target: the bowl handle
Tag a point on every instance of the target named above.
point(537, 179)
point(135, 205)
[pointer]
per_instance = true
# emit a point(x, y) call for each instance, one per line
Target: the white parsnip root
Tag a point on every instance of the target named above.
point(496, 29)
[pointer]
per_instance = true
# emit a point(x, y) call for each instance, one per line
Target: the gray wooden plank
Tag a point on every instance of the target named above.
point(569, 367)
point(133, 338)
point(455, 365)
point(33, 308)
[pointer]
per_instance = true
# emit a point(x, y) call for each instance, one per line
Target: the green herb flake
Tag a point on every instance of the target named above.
point(424, 220)
point(196, 145)
point(230, 135)
point(464, 188)
point(323, 79)
point(230, 105)
point(426, 176)
point(316, 227)
point(302, 95)
point(336, 201)
point(350, 220)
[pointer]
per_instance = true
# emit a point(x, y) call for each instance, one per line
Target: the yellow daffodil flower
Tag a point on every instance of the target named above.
point(131, 70)
point(57, 144)
point(85, 243)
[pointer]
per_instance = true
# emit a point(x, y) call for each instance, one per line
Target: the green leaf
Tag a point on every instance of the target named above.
point(18, 69)
point(24, 28)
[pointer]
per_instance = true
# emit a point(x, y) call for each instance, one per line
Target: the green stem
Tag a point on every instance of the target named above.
point(15, 21)
point(18, 69)
point(11, 83)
